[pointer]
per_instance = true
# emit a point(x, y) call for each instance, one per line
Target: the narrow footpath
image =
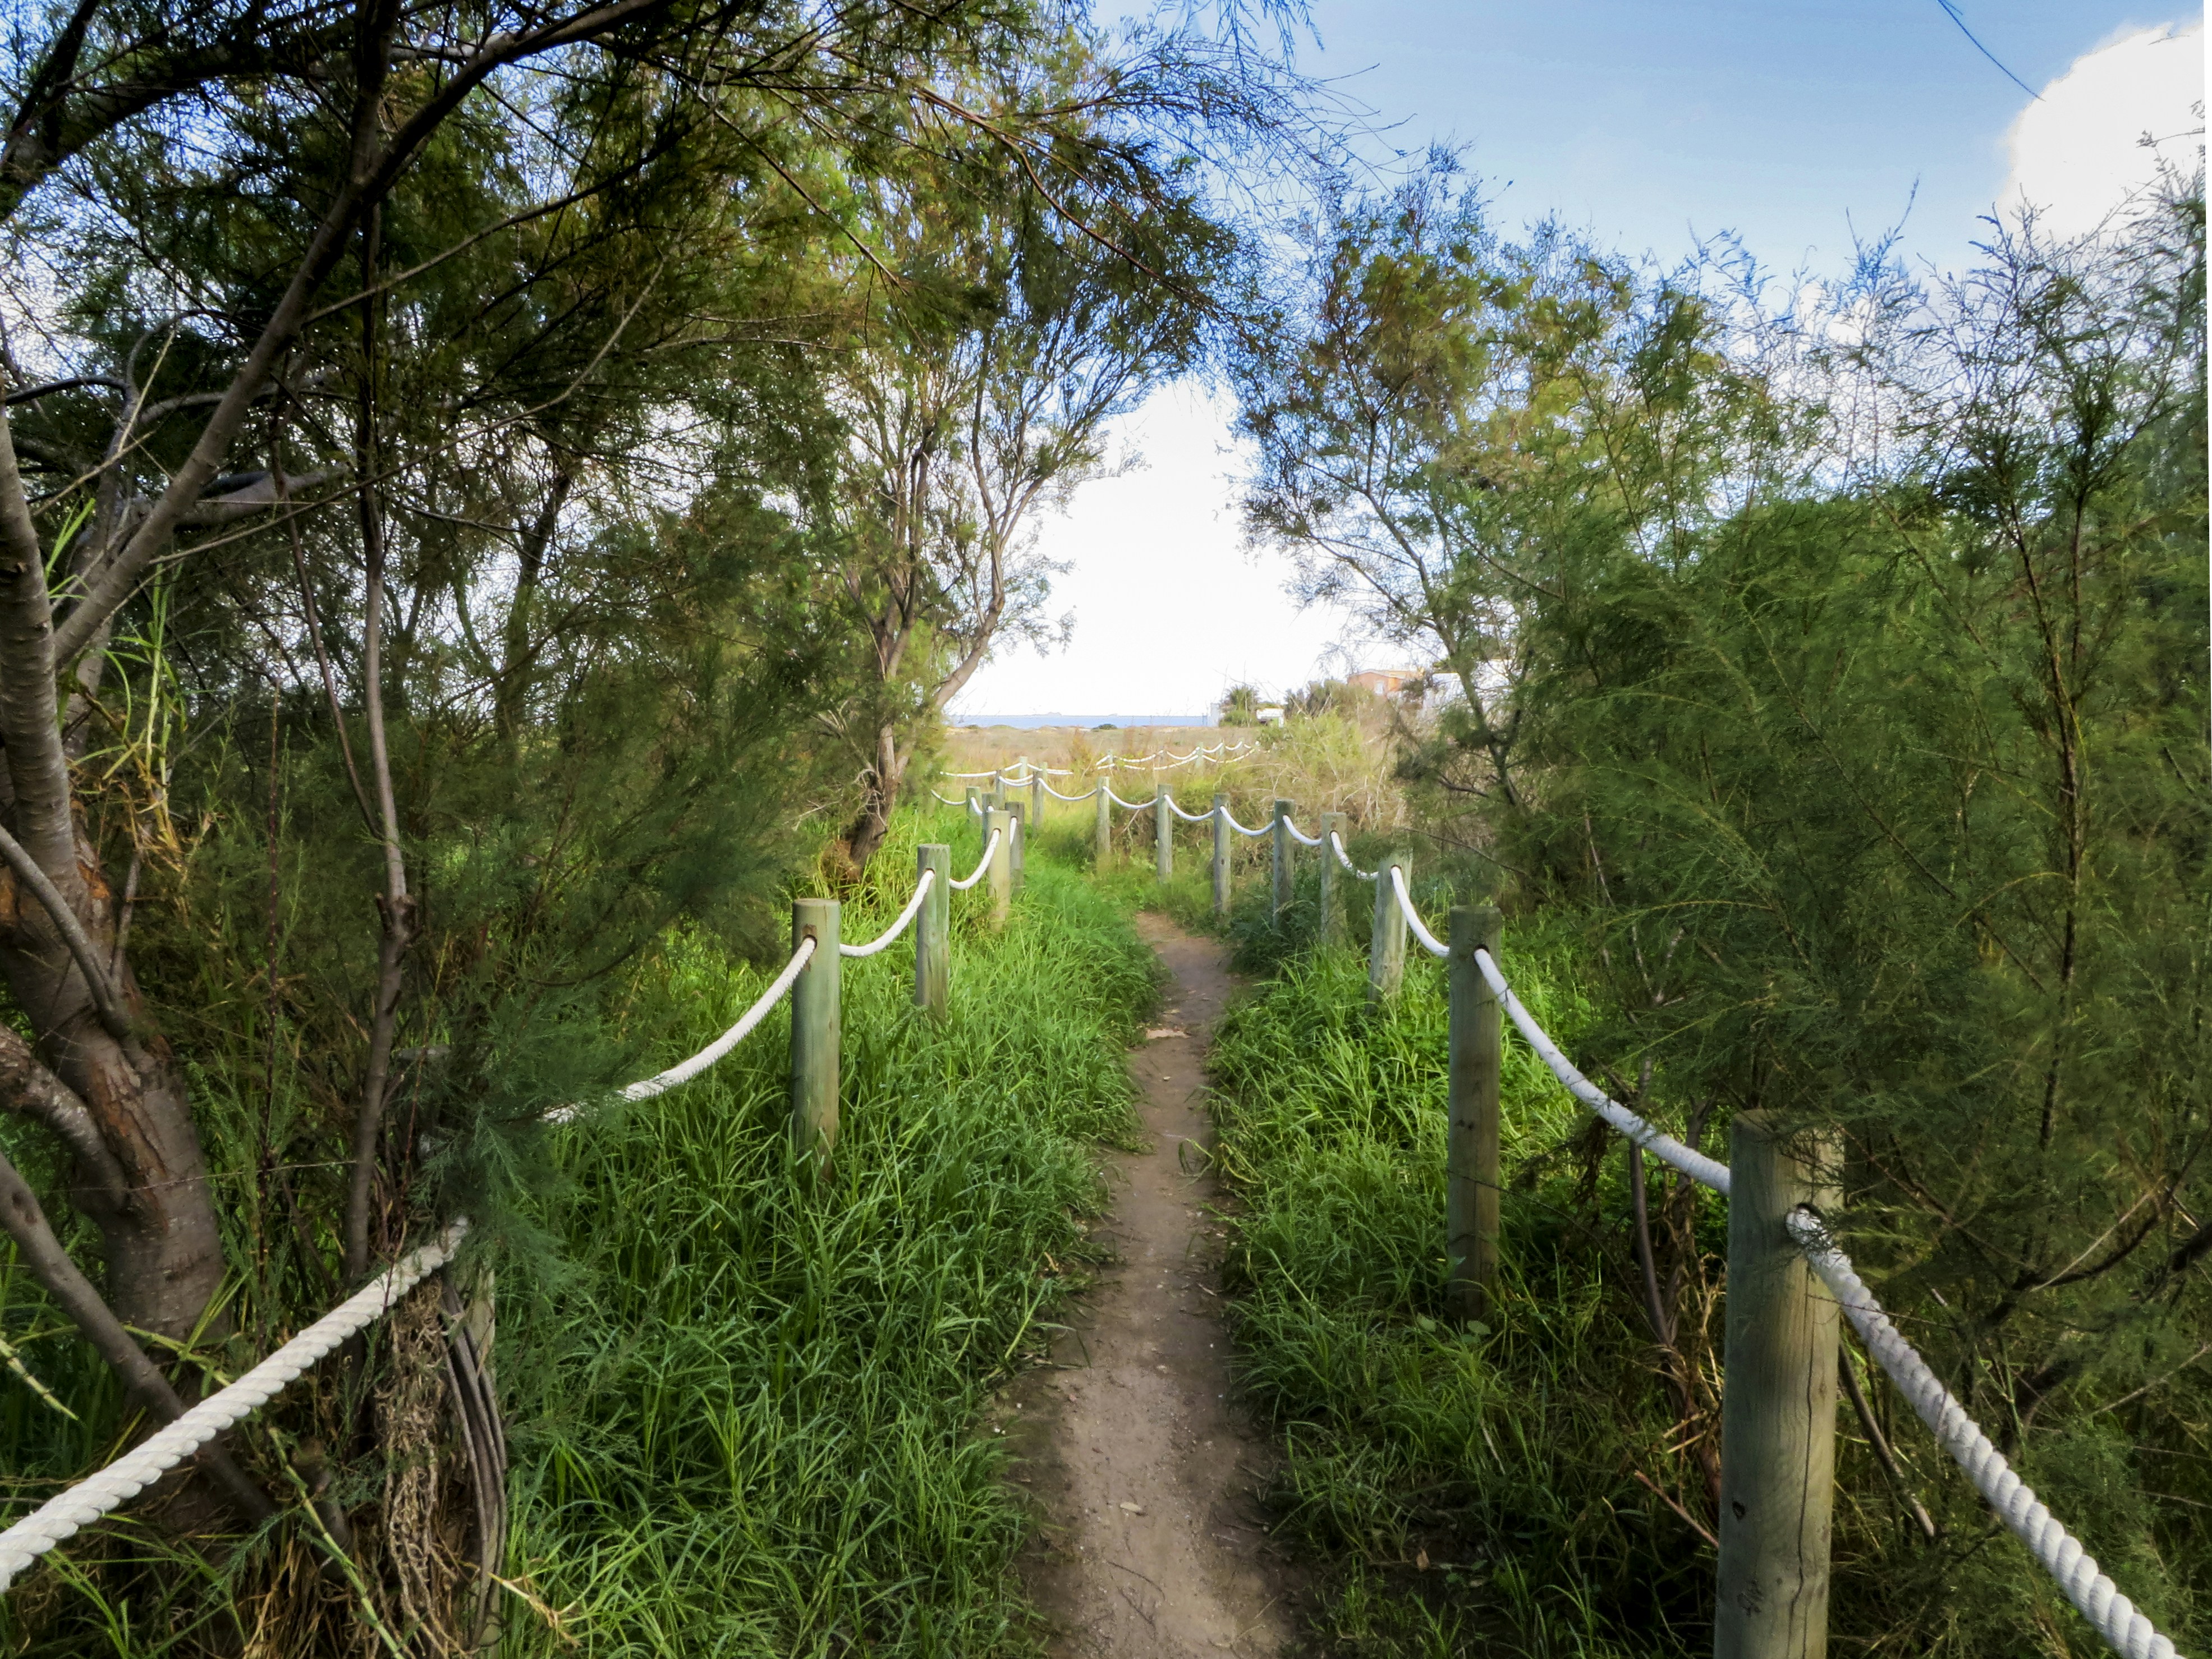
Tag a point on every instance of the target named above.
point(1143, 1477)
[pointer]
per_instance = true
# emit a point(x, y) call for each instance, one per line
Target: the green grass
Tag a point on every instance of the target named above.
point(742, 1403)
point(746, 1423)
point(1500, 1457)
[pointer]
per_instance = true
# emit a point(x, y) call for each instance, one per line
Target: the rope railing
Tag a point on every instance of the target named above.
point(2124, 1628)
point(1022, 770)
point(1430, 942)
point(1187, 817)
point(982, 864)
point(1229, 819)
point(1336, 846)
point(883, 939)
point(1300, 835)
point(1085, 795)
point(69, 1512)
point(1130, 806)
point(2056, 1549)
point(107, 1489)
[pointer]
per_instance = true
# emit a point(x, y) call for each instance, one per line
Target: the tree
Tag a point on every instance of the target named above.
point(1013, 324)
point(1449, 426)
point(1886, 809)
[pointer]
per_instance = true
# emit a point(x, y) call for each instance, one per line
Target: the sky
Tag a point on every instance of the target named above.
point(1797, 128)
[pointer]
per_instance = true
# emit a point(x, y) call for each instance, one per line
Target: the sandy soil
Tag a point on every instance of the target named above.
point(1143, 1477)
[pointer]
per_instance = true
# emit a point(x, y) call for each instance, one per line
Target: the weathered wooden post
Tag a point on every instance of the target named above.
point(932, 932)
point(1102, 834)
point(1332, 922)
point(975, 802)
point(1386, 944)
point(1778, 1403)
point(1036, 798)
point(1018, 843)
point(1221, 833)
point(1473, 1056)
point(1282, 871)
point(1162, 834)
point(1001, 880)
point(814, 1032)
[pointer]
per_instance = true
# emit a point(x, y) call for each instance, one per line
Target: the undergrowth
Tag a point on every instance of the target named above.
point(742, 1402)
point(743, 1422)
point(1460, 1484)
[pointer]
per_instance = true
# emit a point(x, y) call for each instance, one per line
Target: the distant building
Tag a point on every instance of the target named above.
point(1385, 682)
point(1270, 717)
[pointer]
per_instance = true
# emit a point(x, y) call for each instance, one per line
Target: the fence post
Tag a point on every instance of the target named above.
point(1036, 798)
point(814, 1032)
point(1102, 837)
point(1474, 1052)
point(1778, 1403)
point(932, 932)
point(1000, 879)
point(1162, 834)
point(1281, 895)
point(1018, 843)
point(1332, 922)
point(975, 802)
point(1386, 944)
point(1221, 856)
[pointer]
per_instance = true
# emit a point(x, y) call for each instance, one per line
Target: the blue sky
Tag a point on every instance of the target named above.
point(1651, 121)
point(1651, 124)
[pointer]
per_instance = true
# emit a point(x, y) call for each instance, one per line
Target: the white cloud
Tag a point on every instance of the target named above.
point(1170, 609)
point(2078, 153)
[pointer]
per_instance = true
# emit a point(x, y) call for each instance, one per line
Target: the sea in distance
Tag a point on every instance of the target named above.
point(1086, 722)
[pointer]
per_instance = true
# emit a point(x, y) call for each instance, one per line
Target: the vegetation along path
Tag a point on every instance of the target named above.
point(1143, 1474)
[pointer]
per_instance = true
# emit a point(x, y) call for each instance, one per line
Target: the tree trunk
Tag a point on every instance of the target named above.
point(164, 1250)
point(881, 796)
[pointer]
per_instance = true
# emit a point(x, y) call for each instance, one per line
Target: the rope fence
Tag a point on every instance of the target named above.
point(1750, 1624)
point(108, 1489)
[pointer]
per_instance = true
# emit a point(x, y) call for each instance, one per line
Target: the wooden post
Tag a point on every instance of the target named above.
point(1017, 847)
point(1473, 1056)
point(1778, 1403)
point(1162, 834)
point(1001, 880)
point(1282, 873)
point(1221, 833)
point(1102, 837)
point(975, 802)
point(1036, 799)
point(1332, 918)
point(932, 932)
point(1386, 945)
point(814, 1032)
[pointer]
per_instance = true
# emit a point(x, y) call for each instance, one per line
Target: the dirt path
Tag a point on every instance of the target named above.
point(1149, 1543)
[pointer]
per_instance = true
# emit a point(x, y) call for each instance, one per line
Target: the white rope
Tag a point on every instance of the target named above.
point(951, 800)
point(1133, 805)
point(1085, 795)
point(971, 775)
point(1344, 858)
point(2056, 1549)
point(129, 1475)
point(1187, 817)
point(1710, 1172)
point(685, 1070)
point(912, 909)
point(1297, 835)
point(982, 864)
point(1239, 828)
point(1429, 941)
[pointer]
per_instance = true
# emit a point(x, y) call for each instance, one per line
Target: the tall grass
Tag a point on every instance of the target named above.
point(746, 1423)
point(742, 1402)
point(1461, 1485)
